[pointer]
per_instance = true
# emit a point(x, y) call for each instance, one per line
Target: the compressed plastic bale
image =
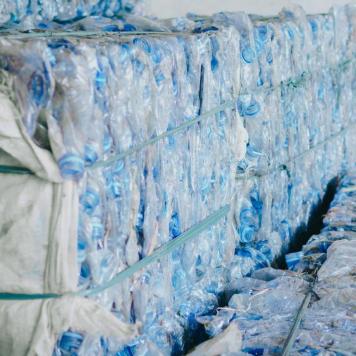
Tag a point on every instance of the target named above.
point(264, 306)
point(89, 198)
point(32, 13)
point(47, 201)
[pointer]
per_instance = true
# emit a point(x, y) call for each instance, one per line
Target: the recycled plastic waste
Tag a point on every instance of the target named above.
point(265, 304)
point(279, 93)
point(28, 13)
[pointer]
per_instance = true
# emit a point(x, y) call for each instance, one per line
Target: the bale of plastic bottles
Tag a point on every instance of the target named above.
point(263, 307)
point(34, 14)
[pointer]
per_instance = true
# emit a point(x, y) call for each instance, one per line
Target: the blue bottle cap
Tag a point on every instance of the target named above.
point(97, 230)
point(214, 63)
point(114, 189)
point(247, 234)
point(262, 33)
point(84, 272)
point(90, 200)
point(71, 341)
point(129, 27)
point(81, 250)
point(248, 54)
point(248, 109)
point(90, 155)
point(143, 43)
point(313, 25)
point(71, 165)
point(174, 226)
point(111, 28)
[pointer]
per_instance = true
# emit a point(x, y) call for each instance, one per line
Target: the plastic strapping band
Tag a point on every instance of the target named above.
point(14, 170)
point(91, 34)
point(298, 318)
point(139, 147)
point(339, 351)
point(162, 251)
point(293, 332)
point(279, 167)
point(180, 128)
